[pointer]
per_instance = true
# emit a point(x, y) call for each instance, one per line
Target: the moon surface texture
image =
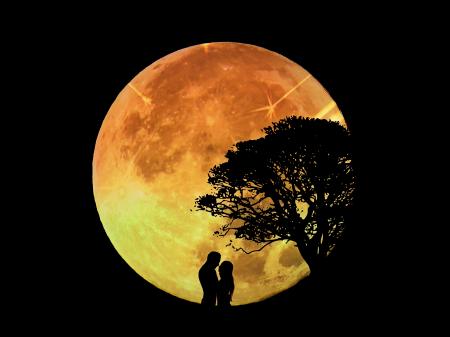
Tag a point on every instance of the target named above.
point(173, 122)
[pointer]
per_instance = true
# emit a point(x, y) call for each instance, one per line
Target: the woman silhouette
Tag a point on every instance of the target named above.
point(226, 284)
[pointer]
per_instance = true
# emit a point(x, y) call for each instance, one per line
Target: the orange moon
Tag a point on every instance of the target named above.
point(167, 127)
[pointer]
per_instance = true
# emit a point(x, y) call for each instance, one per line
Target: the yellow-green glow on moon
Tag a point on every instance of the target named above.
point(165, 130)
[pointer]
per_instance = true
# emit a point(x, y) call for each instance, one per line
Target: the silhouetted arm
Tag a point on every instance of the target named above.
point(231, 291)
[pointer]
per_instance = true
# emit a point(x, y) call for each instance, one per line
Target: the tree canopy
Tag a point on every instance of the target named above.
point(296, 183)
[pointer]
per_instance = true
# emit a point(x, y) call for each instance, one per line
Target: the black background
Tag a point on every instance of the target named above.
point(79, 67)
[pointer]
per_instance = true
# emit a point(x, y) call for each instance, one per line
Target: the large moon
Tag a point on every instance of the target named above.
point(173, 122)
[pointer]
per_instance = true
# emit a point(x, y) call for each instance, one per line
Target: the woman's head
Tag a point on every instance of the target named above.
point(226, 269)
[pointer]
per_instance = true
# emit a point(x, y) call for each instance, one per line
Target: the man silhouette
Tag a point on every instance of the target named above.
point(208, 279)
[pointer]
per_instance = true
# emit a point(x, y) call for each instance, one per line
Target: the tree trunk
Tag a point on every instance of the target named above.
point(314, 260)
point(320, 240)
point(322, 235)
point(316, 251)
point(308, 255)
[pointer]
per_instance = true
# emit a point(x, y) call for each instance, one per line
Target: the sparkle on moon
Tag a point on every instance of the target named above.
point(173, 122)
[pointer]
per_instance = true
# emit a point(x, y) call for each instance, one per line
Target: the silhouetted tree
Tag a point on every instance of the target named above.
point(296, 184)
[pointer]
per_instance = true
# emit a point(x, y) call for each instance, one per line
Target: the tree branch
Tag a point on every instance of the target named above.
point(258, 250)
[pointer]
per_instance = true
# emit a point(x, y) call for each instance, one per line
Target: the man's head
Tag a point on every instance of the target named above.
point(213, 258)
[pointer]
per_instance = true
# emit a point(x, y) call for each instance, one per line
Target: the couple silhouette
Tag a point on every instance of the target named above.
point(215, 291)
